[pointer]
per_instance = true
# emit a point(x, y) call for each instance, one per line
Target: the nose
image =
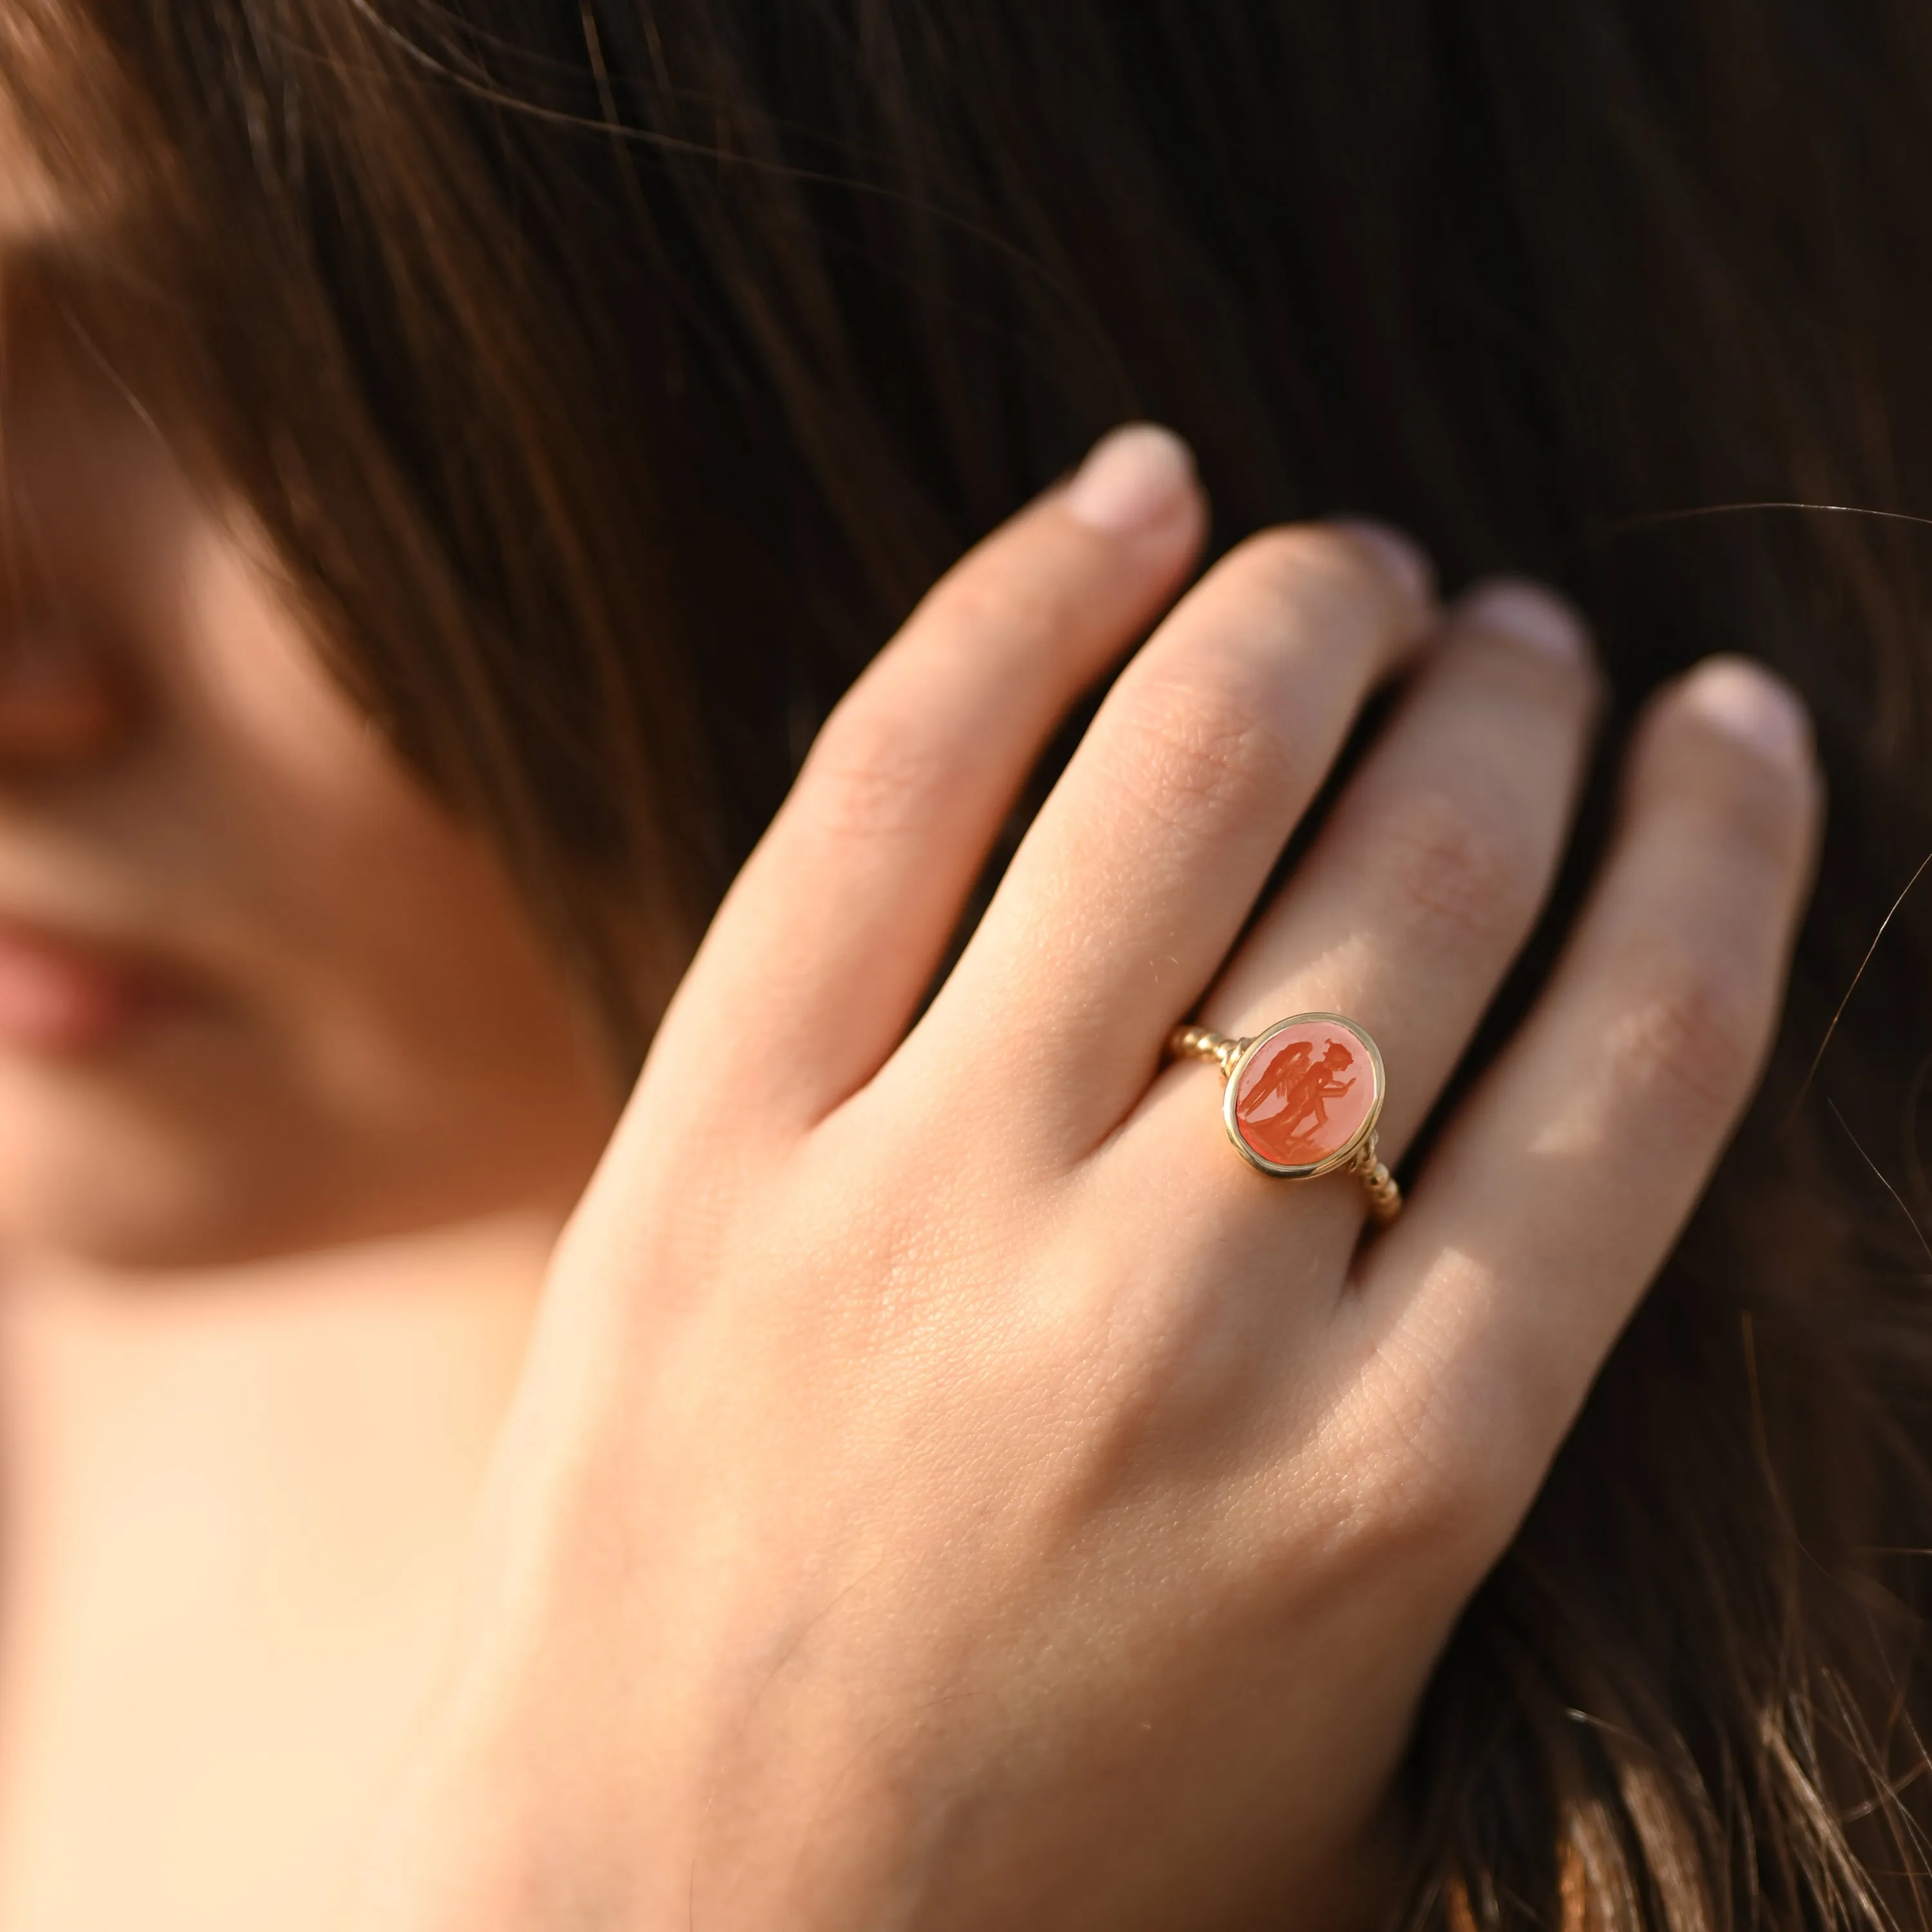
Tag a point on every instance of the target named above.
point(60, 704)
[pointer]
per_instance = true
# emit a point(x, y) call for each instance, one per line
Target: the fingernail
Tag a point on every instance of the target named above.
point(1528, 613)
point(1134, 477)
point(1744, 700)
point(1401, 556)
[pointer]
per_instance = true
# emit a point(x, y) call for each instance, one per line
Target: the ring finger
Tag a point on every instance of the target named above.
point(1419, 892)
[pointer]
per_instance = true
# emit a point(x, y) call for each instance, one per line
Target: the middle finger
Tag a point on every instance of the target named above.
point(1139, 871)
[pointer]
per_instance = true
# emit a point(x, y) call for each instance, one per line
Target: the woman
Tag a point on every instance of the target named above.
point(945, 1485)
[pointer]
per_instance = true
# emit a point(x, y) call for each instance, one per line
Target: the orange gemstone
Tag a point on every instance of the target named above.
point(1305, 1094)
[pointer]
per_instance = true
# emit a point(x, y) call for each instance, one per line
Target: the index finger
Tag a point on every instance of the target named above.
point(834, 929)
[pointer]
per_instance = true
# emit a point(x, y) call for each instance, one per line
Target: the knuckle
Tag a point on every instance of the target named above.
point(870, 774)
point(1003, 603)
point(1194, 760)
point(1460, 872)
point(1424, 1500)
point(1440, 1476)
point(1412, 1504)
point(1692, 1037)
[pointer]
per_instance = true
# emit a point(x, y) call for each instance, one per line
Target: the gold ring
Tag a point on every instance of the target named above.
point(1303, 1098)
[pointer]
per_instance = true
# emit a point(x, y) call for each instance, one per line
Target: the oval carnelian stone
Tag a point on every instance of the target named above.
point(1305, 1094)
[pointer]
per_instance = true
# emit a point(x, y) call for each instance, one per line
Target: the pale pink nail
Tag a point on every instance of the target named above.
point(1135, 478)
point(1744, 700)
point(1514, 608)
point(1401, 556)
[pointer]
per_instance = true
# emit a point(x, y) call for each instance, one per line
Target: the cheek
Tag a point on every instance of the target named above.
point(424, 1018)
point(410, 992)
point(388, 1046)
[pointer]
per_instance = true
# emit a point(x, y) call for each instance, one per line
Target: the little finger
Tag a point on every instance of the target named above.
point(1557, 1191)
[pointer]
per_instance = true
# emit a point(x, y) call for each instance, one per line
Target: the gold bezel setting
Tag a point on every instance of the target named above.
point(1347, 1155)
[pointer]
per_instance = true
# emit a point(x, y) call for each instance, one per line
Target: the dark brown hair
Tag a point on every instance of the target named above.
point(610, 377)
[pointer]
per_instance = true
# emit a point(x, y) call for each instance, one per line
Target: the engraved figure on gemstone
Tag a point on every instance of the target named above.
point(1289, 1103)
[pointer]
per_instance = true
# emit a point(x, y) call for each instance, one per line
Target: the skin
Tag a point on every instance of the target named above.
point(292, 1105)
point(1007, 1507)
point(944, 1485)
point(255, 975)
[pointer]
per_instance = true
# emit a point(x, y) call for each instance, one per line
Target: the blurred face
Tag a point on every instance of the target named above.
point(258, 992)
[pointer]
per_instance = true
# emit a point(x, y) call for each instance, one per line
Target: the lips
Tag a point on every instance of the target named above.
point(59, 995)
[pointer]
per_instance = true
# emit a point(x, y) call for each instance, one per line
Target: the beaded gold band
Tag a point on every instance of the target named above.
point(1303, 1098)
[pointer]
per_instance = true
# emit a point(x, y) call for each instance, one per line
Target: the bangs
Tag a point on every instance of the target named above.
point(92, 222)
point(90, 190)
point(284, 236)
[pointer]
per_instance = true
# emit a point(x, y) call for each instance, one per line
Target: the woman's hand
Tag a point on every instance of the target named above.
point(949, 1488)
